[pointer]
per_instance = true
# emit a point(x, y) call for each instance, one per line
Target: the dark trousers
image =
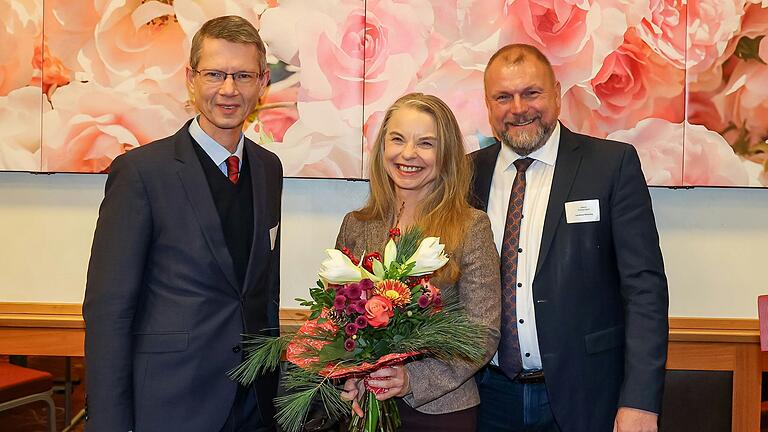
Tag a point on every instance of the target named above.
point(414, 421)
point(245, 415)
point(511, 406)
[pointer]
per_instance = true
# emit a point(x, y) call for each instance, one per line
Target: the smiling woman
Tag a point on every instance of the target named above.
point(420, 177)
point(410, 152)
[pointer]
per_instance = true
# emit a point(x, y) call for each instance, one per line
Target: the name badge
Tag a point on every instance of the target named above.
point(582, 211)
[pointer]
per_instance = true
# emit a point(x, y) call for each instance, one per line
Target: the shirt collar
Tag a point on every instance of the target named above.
point(547, 153)
point(212, 148)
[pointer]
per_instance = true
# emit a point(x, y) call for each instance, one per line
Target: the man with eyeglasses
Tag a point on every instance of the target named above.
point(185, 259)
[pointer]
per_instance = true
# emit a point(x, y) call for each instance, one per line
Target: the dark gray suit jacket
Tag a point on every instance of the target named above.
point(600, 293)
point(163, 310)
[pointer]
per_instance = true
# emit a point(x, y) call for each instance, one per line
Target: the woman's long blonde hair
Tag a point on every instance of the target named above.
point(444, 212)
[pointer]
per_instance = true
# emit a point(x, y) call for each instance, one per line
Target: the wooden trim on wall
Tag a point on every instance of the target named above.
point(41, 308)
point(69, 315)
point(735, 330)
point(41, 315)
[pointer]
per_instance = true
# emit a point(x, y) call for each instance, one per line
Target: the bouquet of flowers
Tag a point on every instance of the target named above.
point(365, 314)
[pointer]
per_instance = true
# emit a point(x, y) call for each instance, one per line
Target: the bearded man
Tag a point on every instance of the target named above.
point(584, 295)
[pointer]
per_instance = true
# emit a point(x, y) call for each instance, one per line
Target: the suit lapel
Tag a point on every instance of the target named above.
point(199, 194)
point(260, 222)
point(484, 161)
point(567, 165)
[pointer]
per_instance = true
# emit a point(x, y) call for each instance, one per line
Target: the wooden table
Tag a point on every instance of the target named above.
point(713, 344)
point(706, 344)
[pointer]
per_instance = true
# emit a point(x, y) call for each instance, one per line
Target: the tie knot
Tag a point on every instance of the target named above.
point(523, 164)
point(233, 163)
point(233, 168)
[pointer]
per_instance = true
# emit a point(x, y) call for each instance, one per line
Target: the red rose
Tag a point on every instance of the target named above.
point(378, 311)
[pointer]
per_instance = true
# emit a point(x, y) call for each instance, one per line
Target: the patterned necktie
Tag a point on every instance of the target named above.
point(509, 346)
point(233, 168)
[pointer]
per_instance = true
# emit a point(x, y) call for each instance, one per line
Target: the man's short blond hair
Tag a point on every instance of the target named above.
point(230, 28)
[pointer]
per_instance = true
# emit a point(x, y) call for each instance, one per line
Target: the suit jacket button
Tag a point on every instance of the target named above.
point(236, 349)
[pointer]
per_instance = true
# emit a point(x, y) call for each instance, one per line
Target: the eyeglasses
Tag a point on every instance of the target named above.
point(217, 77)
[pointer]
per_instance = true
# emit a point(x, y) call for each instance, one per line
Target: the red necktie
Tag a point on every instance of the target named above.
point(510, 361)
point(233, 168)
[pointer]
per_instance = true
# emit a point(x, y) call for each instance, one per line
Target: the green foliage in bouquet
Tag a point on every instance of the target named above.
point(365, 314)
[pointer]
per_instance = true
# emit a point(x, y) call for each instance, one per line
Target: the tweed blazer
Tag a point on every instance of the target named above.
point(439, 387)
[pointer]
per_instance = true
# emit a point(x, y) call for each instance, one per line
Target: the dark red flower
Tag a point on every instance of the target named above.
point(360, 306)
point(394, 233)
point(350, 329)
point(366, 284)
point(349, 344)
point(354, 291)
point(423, 301)
point(361, 321)
point(368, 260)
point(437, 304)
point(339, 302)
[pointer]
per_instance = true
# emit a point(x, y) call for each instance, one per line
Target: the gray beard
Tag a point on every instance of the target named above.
point(525, 144)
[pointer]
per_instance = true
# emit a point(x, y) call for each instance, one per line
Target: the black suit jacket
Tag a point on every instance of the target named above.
point(600, 293)
point(163, 309)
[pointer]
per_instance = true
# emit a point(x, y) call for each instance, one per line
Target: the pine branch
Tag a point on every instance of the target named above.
point(262, 354)
point(449, 335)
point(408, 243)
point(304, 386)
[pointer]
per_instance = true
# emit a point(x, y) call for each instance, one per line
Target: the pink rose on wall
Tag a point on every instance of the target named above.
point(708, 159)
point(335, 46)
point(322, 43)
point(633, 83)
point(755, 20)
point(746, 104)
point(335, 43)
point(462, 89)
point(90, 125)
point(397, 42)
point(140, 41)
point(191, 14)
point(278, 111)
point(707, 109)
point(576, 35)
point(20, 113)
point(70, 30)
point(310, 147)
point(50, 73)
point(20, 30)
point(699, 43)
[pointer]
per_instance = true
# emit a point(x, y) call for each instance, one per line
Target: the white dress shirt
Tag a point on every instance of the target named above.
point(538, 179)
point(213, 149)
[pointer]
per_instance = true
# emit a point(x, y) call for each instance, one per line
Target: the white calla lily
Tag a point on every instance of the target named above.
point(429, 256)
point(339, 269)
point(378, 269)
point(390, 253)
point(368, 275)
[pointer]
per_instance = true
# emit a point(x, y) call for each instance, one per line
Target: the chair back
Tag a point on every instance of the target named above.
point(762, 314)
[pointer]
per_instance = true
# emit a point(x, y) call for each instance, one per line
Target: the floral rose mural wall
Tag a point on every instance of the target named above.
point(686, 82)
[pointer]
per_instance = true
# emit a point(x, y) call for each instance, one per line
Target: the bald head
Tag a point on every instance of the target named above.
point(517, 54)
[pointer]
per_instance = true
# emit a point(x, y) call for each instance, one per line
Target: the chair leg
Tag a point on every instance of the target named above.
point(51, 413)
point(46, 397)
